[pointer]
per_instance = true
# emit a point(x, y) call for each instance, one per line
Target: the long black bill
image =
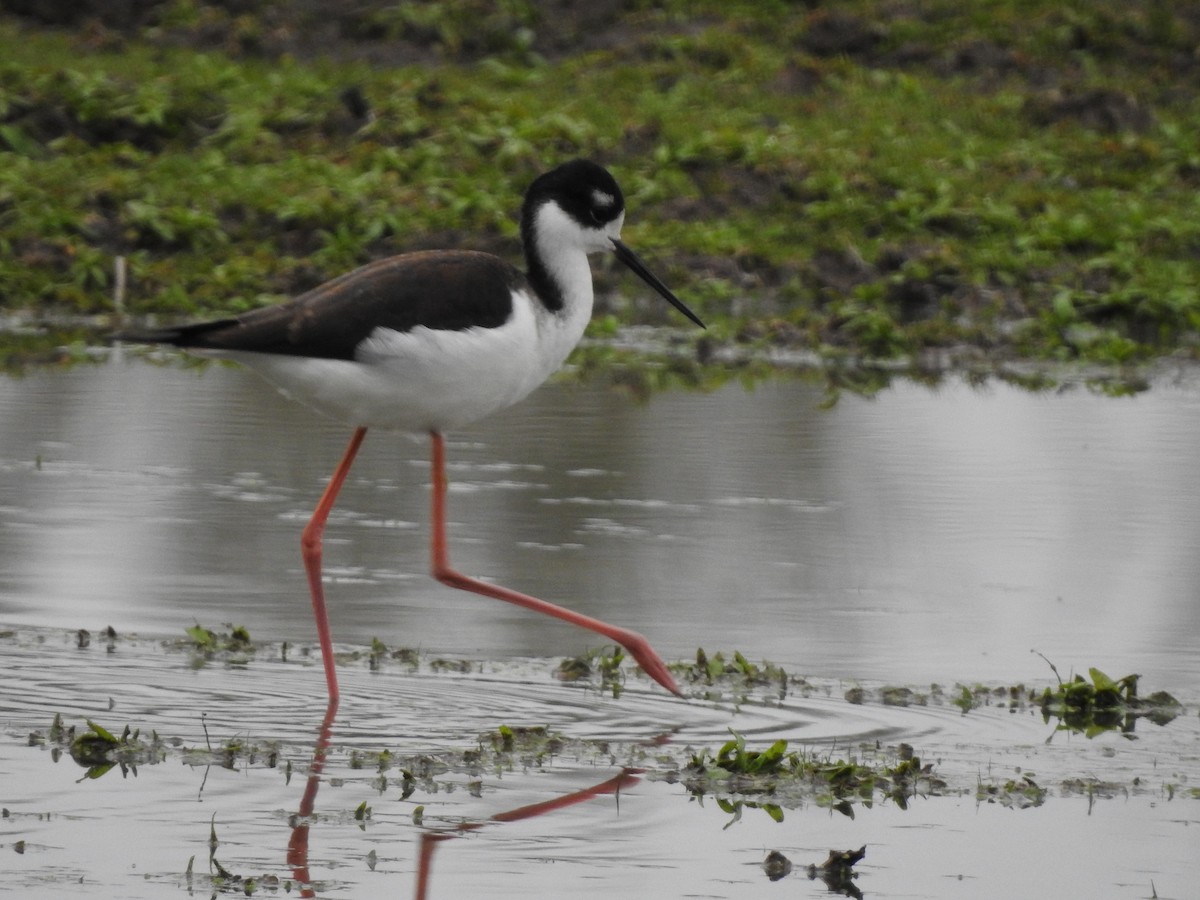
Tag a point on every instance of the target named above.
point(631, 259)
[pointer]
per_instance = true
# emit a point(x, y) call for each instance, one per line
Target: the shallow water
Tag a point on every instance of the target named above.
point(923, 536)
point(653, 840)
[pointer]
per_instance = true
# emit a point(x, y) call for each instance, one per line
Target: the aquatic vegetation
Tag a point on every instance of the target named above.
point(737, 776)
point(969, 697)
point(221, 880)
point(712, 669)
point(399, 783)
point(735, 758)
point(235, 641)
point(837, 871)
point(602, 662)
point(380, 653)
point(1091, 707)
point(98, 750)
point(734, 676)
point(889, 695)
point(362, 815)
point(27, 345)
point(459, 666)
point(801, 776)
point(1019, 793)
point(526, 745)
point(1104, 704)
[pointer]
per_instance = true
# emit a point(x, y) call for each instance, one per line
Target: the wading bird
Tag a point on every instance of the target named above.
point(431, 341)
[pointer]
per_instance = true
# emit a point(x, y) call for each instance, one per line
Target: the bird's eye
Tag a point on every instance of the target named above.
point(596, 217)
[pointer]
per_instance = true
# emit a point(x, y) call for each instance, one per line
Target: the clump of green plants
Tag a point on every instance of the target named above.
point(737, 759)
point(837, 871)
point(735, 675)
point(380, 653)
point(231, 645)
point(456, 666)
point(795, 776)
point(712, 669)
point(235, 640)
point(1015, 793)
point(529, 743)
point(1099, 704)
point(98, 750)
point(889, 695)
point(604, 663)
point(969, 697)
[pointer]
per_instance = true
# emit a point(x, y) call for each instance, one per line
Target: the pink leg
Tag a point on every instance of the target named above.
point(310, 548)
point(637, 645)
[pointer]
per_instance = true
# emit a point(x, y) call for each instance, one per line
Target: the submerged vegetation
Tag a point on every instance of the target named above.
point(1091, 707)
point(381, 785)
point(378, 780)
point(873, 179)
point(737, 775)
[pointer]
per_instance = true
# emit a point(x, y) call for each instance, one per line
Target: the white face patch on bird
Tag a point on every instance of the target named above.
point(602, 201)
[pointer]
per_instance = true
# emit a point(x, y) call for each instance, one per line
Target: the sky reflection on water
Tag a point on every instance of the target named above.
point(923, 535)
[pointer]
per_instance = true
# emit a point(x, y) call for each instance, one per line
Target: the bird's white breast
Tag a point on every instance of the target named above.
point(427, 379)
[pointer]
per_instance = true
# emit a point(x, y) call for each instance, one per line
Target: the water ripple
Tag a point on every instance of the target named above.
point(608, 829)
point(159, 684)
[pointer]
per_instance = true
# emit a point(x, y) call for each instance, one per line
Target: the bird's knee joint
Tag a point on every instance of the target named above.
point(447, 576)
point(310, 544)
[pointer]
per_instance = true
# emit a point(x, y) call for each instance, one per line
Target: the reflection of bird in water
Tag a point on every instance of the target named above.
point(297, 855)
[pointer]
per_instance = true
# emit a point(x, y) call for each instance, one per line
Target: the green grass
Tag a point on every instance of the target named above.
point(950, 180)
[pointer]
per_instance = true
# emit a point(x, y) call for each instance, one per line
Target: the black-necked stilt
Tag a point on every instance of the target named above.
point(431, 341)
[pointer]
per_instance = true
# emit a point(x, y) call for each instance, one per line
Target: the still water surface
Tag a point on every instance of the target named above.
point(926, 535)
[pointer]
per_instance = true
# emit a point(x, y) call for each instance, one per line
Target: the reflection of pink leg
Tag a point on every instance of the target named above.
point(612, 786)
point(637, 645)
point(429, 842)
point(431, 839)
point(310, 548)
point(297, 855)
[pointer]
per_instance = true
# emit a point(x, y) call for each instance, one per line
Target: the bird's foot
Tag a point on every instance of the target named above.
point(652, 664)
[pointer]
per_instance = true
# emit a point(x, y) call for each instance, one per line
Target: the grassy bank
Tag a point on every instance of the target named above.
point(1009, 179)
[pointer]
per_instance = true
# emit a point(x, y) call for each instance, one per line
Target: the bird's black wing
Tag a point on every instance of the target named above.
point(442, 290)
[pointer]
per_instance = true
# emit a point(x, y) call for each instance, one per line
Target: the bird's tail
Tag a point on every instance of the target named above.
point(179, 336)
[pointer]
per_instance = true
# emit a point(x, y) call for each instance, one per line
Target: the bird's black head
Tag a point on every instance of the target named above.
point(579, 205)
point(585, 191)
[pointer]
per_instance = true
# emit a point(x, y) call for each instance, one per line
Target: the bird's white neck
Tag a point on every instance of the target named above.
point(558, 249)
point(556, 252)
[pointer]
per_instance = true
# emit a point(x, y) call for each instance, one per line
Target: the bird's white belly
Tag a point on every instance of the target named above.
point(420, 380)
